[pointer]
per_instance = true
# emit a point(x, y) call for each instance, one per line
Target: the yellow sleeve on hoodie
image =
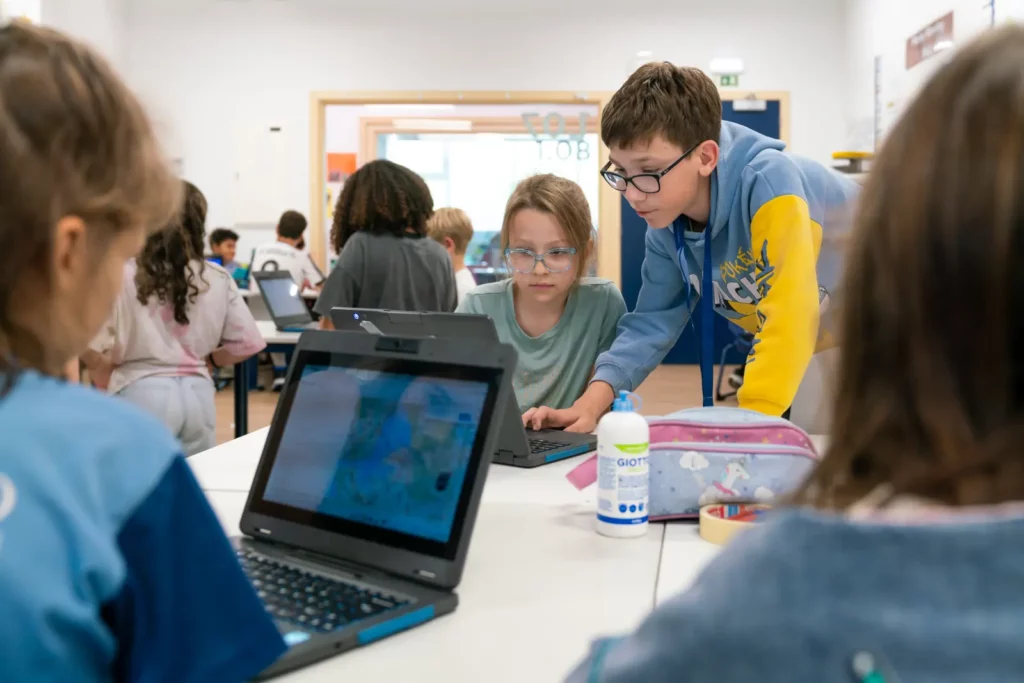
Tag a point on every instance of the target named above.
point(786, 242)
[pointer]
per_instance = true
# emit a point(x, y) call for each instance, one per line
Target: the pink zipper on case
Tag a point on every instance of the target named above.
point(715, 429)
point(585, 474)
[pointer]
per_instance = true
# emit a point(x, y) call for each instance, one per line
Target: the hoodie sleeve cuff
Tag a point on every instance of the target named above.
point(614, 376)
point(763, 407)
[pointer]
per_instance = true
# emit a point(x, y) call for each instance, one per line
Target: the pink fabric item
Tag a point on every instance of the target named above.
point(673, 430)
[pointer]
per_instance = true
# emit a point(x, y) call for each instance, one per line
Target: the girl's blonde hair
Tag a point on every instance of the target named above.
point(930, 395)
point(565, 201)
point(74, 141)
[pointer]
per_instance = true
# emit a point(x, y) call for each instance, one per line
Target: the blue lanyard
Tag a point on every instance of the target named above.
point(705, 306)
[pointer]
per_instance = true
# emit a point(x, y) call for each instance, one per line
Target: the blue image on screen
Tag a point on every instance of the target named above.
point(379, 448)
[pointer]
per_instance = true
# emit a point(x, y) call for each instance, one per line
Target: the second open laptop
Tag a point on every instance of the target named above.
point(360, 515)
point(284, 301)
point(516, 446)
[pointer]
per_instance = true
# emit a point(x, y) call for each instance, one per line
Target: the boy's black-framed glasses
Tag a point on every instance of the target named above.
point(557, 260)
point(648, 183)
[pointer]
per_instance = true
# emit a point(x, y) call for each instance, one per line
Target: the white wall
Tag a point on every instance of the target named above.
point(212, 68)
point(98, 22)
point(882, 27)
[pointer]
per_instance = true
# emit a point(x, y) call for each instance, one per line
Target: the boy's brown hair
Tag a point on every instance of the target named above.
point(454, 224)
point(930, 395)
point(565, 201)
point(74, 141)
point(291, 225)
point(679, 103)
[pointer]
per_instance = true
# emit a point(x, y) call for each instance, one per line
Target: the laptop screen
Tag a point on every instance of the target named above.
point(378, 448)
point(283, 297)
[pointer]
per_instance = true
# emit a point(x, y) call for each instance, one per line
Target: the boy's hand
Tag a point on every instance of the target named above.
point(582, 417)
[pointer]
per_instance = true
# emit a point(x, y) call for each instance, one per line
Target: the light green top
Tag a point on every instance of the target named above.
point(554, 368)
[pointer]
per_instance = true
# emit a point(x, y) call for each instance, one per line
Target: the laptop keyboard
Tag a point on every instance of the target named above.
point(313, 602)
point(543, 445)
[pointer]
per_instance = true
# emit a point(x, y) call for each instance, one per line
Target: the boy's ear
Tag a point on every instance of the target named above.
point(449, 244)
point(707, 153)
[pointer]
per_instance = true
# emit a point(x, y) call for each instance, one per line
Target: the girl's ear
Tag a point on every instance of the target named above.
point(69, 252)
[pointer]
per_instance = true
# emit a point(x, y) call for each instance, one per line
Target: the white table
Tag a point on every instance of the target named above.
point(307, 293)
point(684, 553)
point(537, 574)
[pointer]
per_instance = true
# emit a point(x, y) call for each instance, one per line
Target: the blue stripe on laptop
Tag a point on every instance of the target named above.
point(562, 455)
point(392, 626)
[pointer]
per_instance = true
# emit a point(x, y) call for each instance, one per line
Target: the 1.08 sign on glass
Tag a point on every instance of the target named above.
point(553, 126)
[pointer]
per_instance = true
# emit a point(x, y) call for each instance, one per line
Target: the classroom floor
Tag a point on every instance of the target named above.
point(669, 388)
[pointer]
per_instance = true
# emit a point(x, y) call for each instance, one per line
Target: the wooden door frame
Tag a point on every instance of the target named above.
point(609, 210)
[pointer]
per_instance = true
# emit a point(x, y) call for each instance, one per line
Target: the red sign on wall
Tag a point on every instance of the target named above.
point(934, 37)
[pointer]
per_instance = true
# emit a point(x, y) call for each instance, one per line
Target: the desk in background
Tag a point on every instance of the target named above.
point(273, 337)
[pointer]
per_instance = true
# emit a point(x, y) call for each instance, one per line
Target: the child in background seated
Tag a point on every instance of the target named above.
point(287, 252)
point(176, 312)
point(113, 565)
point(558, 320)
point(223, 245)
point(385, 259)
point(906, 563)
point(453, 230)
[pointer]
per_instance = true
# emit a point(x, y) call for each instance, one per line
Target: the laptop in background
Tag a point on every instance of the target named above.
point(241, 275)
point(517, 446)
point(284, 301)
point(360, 516)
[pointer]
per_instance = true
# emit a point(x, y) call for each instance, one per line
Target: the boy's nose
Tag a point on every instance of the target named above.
point(633, 195)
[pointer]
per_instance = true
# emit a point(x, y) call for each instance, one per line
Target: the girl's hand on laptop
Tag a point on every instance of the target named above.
point(573, 419)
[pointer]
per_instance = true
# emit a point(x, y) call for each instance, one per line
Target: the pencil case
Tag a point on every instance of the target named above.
point(703, 456)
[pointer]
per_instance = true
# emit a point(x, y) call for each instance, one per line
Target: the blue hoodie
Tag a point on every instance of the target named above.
point(804, 598)
point(773, 224)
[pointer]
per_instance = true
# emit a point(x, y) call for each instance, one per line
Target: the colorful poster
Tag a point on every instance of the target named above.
point(340, 166)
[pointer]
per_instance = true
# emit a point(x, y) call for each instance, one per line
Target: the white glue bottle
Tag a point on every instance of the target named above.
point(622, 470)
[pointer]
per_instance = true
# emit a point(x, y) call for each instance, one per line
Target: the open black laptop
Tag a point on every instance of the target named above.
point(517, 446)
point(284, 301)
point(360, 516)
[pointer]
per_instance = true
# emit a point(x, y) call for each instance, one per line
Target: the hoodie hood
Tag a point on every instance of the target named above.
point(738, 146)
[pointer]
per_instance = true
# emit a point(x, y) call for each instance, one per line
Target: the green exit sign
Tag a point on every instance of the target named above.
point(729, 80)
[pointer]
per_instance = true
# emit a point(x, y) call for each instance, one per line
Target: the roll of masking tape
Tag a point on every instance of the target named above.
point(718, 523)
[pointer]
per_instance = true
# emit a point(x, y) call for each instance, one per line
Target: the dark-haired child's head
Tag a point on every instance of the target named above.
point(930, 395)
point(385, 198)
point(665, 120)
point(224, 244)
point(291, 226)
point(166, 263)
point(82, 182)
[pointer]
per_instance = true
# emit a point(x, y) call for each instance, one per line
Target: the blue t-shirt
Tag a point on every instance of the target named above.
point(113, 567)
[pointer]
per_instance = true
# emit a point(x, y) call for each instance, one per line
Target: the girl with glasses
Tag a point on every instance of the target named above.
point(558, 320)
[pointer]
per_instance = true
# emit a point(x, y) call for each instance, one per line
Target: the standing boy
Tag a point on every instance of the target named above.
point(454, 231)
point(689, 174)
point(285, 254)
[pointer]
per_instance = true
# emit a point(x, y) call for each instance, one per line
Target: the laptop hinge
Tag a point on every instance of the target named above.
point(398, 345)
